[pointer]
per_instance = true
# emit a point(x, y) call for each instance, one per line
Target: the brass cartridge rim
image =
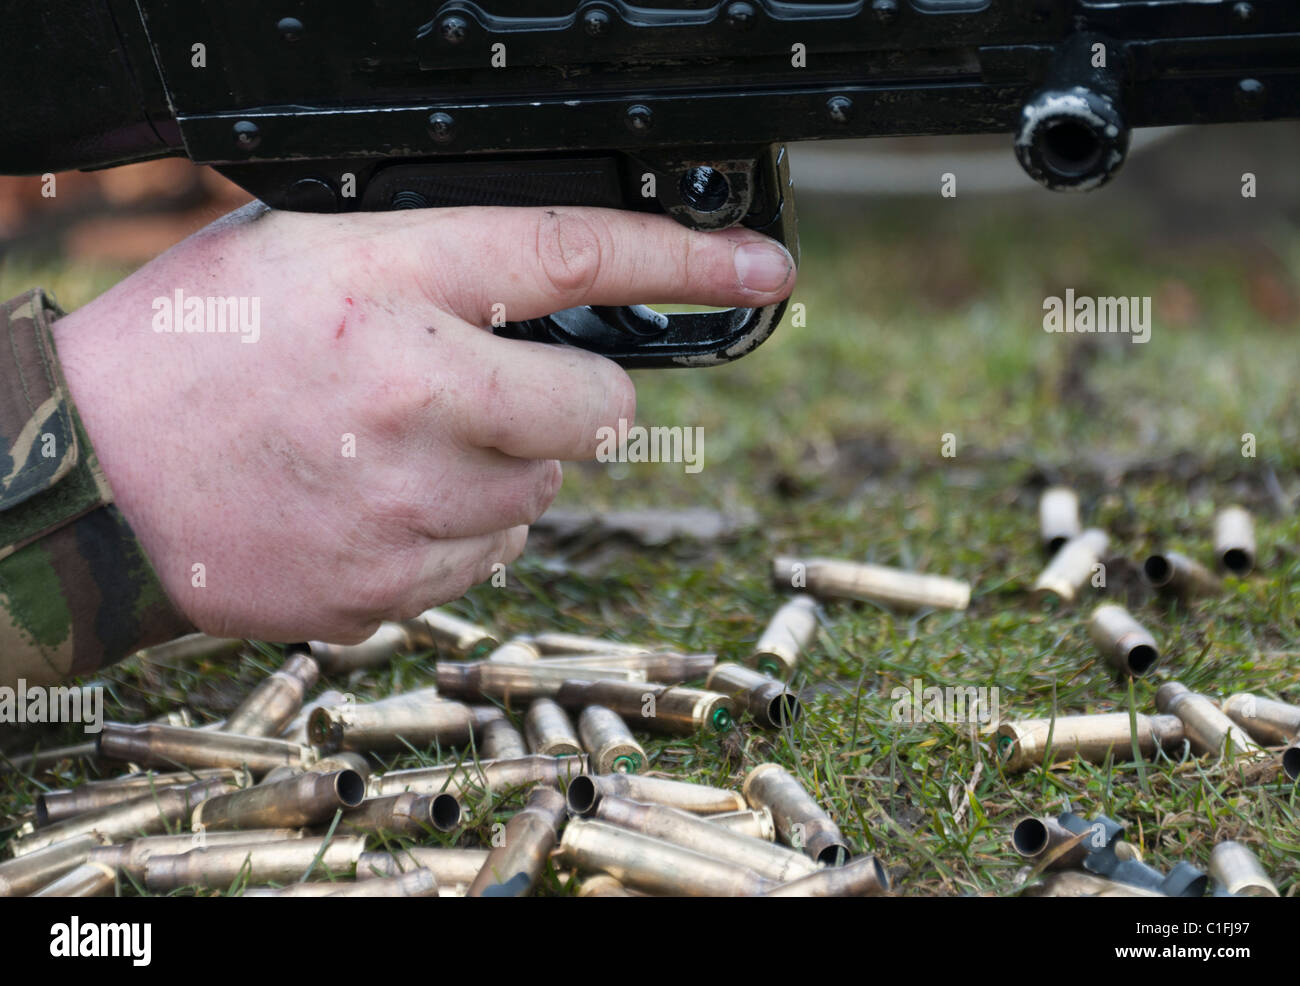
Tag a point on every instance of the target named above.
point(582, 795)
point(1291, 762)
point(350, 787)
point(769, 665)
point(784, 710)
point(1159, 570)
point(445, 812)
point(720, 719)
point(1238, 561)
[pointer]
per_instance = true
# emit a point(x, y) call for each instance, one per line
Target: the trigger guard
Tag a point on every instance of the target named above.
point(626, 336)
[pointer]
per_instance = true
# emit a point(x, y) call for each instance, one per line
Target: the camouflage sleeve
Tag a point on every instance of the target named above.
point(76, 590)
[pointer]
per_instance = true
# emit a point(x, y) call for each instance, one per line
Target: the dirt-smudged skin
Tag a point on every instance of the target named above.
point(307, 799)
point(717, 841)
point(1208, 729)
point(157, 745)
point(271, 706)
point(770, 702)
point(586, 791)
point(655, 708)
point(800, 821)
point(788, 634)
point(549, 731)
point(835, 578)
point(267, 862)
point(152, 811)
point(611, 745)
point(1125, 643)
point(512, 869)
point(1023, 744)
point(642, 862)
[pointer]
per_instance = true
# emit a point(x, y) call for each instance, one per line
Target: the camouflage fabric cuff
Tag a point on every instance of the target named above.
point(76, 590)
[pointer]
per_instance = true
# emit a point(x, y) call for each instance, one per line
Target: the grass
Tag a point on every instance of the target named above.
point(922, 323)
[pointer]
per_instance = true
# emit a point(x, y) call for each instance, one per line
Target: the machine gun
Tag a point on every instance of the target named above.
point(673, 106)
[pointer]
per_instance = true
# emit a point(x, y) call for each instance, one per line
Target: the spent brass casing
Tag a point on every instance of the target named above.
point(417, 883)
point(1072, 566)
point(800, 821)
point(1048, 843)
point(24, 874)
point(1269, 722)
point(517, 684)
point(41, 759)
point(469, 780)
point(1071, 883)
point(386, 643)
point(716, 841)
point(1126, 644)
point(275, 701)
point(770, 702)
point(754, 822)
point(296, 731)
point(787, 635)
point(1234, 540)
point(156, 745)
point(307, 799)
point(548, 730)
point(833, 578)
point(512, 868)
point(1058, 517)
point(1174, 574)
point(55, 806)
point(642, 862)
point(452, 867)
point(1207, 728)
point(346, 760)
point(862, 877)
point(146, 813)
point(516, 650)
point(192, 647)
point(655, 708)
point(603, 885)
point(415, 718)
point(1238, 871)
point(1023, 744)
point(576, 643)
point(663, 667)
point(405, 814)
point(129, 858)
point(497, 739)
point(450, 634)
point(263, 862)
point(585, 792)
point(610, 743)
point(87, 880)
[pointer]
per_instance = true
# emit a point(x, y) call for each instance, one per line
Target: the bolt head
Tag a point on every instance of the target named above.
point(442, 127)
point(740, 16)
point(596, 23)
point(290, 28)
point(453, 29)
point(639, 118)
point(247, 135)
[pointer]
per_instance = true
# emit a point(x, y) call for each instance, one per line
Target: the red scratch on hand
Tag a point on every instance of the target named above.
point(343, 324)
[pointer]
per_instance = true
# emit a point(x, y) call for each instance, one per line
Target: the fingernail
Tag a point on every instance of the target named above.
point(763, 266)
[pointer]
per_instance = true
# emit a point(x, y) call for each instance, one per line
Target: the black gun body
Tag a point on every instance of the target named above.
point(677, 107)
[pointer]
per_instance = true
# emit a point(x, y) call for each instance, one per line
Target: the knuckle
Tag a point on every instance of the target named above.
point(570, 251)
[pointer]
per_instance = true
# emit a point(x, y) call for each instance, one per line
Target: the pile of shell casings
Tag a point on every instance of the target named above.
point(1243, 726)
point(283, 797)
point(1082, 858)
